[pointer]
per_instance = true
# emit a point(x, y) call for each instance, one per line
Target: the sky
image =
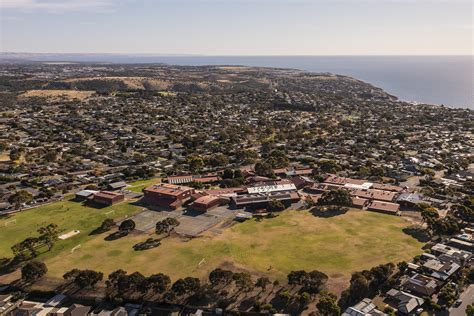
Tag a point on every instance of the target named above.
point(238, 27)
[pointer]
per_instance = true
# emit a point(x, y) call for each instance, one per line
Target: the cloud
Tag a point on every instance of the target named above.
point(57, 5)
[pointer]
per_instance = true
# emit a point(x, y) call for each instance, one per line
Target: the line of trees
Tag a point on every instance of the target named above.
point(29, 247)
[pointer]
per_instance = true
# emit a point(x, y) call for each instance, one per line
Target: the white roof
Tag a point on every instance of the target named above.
point(363, 186)
point(272, 188)
point(86, 192)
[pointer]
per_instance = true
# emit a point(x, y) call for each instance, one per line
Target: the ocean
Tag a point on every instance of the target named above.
point(444, 80)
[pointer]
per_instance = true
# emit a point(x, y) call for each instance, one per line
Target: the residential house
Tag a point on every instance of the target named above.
point(404, 303)
point(363, 308)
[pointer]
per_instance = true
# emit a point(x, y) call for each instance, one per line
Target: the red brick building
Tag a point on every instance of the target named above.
point(167, 195)
point(107, 198)
point(206, 203)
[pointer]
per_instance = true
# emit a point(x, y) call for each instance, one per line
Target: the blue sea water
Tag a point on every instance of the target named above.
point(444, 80)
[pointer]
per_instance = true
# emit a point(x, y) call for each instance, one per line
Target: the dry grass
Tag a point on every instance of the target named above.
point(56, 95)
point(294, 240)
point(4, 157)
point(134, 83)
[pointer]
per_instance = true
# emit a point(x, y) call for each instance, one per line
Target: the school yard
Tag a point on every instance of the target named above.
point(294, 240)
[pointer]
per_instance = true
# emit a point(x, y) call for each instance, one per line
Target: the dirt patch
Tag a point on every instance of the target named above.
point(57, 95)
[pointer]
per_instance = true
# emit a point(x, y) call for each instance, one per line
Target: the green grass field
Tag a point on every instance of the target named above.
point(294, 240)
point(67, 214)
point(139, 185)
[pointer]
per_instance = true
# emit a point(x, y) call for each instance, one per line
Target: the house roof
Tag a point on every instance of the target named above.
point(405, 302)
point(421, 284)
point(86, 193)
point(384, 206)
point(363, 308)
point(410, 197)
point(179, 179)
point(271, 188)
point(117, 185)
point(168, 189)
point(204, 200)
point(226, 191)
point(107, 194)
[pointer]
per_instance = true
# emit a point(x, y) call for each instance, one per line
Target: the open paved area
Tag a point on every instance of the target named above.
point(146, 220)
point(192, 224)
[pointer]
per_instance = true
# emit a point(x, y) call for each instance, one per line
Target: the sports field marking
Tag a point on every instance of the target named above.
point(75, 248)
point(12, 221)
point(201, 262)
point(110, 212)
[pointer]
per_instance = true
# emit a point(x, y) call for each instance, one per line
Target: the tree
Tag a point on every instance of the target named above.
point(264, 170)
point(159, 283)
point(470, 310)
point(275, 206)
point(447, 295)
point(83, 278)
point(278, 159)
point(402, 266)
point(26, 248)
point(135, 282)
point(218, 160)
point(15, 154)
point(185, 286)
point(262, 283)
point(106, 225)
point(48, 235)
point(20, 197)
point(33, 271)
point(228, 174)
point(338, 197)
point(243, 281)
point(166, 226)
point(297, 277)
point(463, 212)
point(220, 276)
point(314, 282)
point(329, 166)
point(127, 225)
point(380, 275)
point(327, 304)
point(359, 286)
point(430, 216)
point(196, 164)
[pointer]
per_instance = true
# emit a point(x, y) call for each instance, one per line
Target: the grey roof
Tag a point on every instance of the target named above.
point(363, 308)
point(86, 193)
point(117, 185)
point(410, 197)
point(405, 302)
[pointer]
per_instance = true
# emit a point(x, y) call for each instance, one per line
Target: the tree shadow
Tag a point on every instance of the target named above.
point(328, 212)
point(147, 244)
point(117, 235)
point(247, 303)
point(418, 233)
point(97, 231)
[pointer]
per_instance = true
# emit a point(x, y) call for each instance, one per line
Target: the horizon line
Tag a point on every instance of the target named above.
point(236, 55)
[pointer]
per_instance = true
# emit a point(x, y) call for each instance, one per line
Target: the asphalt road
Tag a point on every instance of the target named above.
point(467, 298)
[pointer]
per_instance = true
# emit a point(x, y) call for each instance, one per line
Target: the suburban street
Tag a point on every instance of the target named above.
point(467, 298)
